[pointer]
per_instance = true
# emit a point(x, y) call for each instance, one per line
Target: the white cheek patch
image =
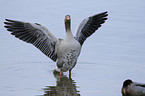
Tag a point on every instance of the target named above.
point(124, 91)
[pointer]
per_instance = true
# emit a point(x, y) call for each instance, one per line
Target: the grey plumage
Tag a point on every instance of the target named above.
point(35, 34)
point(131, 88)
point(89, 25)
point(64, 51)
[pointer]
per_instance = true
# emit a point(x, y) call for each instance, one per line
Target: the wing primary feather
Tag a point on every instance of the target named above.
point(89, 25)
point(35, 34)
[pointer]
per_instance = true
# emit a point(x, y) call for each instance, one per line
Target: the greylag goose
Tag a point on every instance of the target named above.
point(64, 51)
point(131, 88)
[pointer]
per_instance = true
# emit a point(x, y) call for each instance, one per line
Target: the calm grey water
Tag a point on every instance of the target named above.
point(111, 55)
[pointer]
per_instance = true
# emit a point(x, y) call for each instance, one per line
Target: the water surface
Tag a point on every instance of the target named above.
point(111, 55)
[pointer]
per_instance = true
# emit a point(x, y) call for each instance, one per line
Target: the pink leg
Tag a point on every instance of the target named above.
point(60, 73)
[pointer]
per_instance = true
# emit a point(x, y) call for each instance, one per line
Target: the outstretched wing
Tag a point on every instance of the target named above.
point(35, 34)
point(88, 26)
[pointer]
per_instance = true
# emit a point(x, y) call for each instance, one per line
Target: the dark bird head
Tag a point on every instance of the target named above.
point(124, 91)
point(126, 83)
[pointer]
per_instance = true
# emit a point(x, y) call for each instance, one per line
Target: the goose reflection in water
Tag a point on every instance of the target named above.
point(64, 87)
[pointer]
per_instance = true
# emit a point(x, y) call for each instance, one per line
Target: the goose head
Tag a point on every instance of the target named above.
point(126, 83)
point(67, 21)
point(125, 87)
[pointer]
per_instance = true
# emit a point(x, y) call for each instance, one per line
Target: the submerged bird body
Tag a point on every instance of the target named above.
point(64, 51)
point(133, 88)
